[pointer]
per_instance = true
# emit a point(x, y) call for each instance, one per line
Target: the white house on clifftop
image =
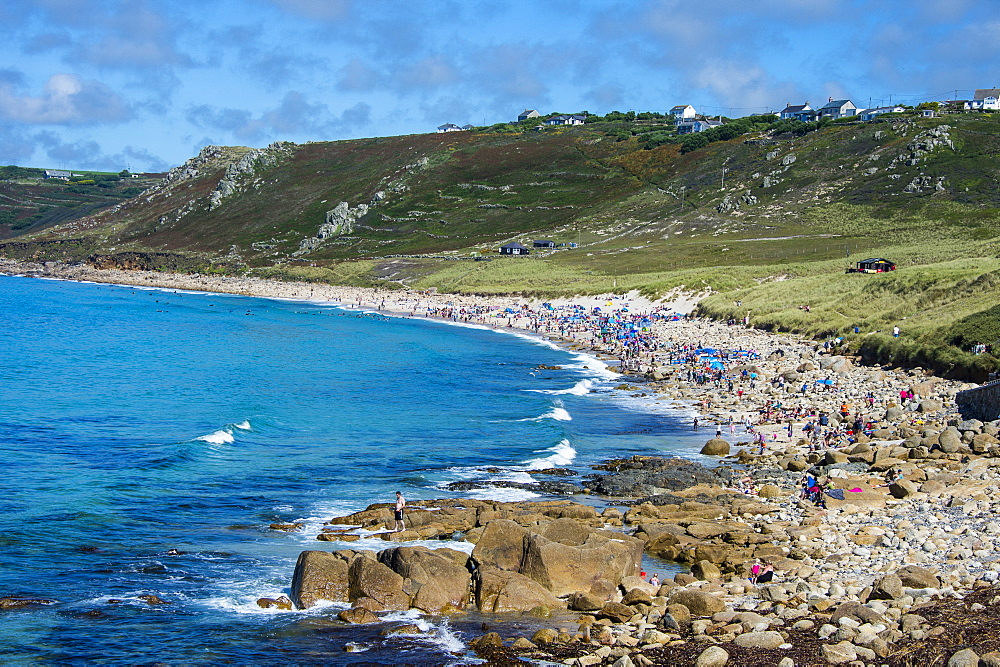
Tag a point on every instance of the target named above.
point(682, 112)
point(575, 119)
point(985, 98)
point(837, 109)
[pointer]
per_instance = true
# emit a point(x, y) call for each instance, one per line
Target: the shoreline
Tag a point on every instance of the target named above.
point(661, 366)
point(776, 386)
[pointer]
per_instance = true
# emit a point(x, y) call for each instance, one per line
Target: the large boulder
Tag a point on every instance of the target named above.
point(502, 590)
point(836, 364)
point(358, 615)
point(705, 571)
point(762, 639)
point(566, 531)
point(320, 575)
point(713, 656)
point(838, 654)
point(616, 612)
point(903, 488)
point(501, 545)
point(699, 603)
point(584, 601)
point(567, 568)
point(703, 531)
point(894, 414)
point(369, 578)
point(914, 576)
point(439, 577)
point(716, 447)
point(888, 587)
point(950, 440)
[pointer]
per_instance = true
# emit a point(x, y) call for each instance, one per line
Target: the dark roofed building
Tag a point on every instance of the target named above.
point(874, 265)
point(513, 249)
point(802, 112)
point(544, 244)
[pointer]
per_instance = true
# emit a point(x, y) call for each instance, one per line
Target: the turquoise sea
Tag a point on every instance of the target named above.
point(149, 437)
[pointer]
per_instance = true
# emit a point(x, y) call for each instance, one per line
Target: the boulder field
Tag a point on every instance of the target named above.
point(527, 555)
point(861, 582)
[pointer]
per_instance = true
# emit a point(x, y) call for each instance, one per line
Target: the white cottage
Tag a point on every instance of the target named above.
point(682, 112)
point(985, 98)
point(837, 109)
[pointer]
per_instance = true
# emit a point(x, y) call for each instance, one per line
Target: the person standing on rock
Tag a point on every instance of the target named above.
point(398, 514)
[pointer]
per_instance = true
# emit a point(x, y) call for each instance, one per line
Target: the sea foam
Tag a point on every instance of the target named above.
point(562, 454)
point(581, 388)
point(220, 437)
point(557, 413)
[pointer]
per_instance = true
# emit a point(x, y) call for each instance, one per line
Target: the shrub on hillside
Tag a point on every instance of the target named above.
point(979, 328)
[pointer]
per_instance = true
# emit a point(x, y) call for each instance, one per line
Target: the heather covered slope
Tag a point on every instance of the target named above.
point(770, 218)
point(758, 199)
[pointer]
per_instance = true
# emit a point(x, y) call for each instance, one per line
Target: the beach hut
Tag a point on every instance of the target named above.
point(873, 265)
point(513, 249)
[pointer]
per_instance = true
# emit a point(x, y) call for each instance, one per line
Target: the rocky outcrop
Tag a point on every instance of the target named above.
point(320, 575)
point(240, 174)
point(729, 205)
point(438, 579)
point(652, 475)
point(503, 591)
point(519, 563)
point(368, 578)
point(565, 568)
point(501, 545)
point(339, 221)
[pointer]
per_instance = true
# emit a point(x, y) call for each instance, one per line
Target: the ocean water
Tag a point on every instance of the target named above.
point(149, 437)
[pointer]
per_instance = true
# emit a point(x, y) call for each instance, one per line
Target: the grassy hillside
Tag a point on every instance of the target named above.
point(29, 202)
point(770, 218)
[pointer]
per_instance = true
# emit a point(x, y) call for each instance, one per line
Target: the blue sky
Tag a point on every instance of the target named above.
point(109, 84)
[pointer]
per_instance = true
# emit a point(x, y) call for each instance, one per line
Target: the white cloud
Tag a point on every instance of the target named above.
point(65, 100)
point(294, 117)
point(747, 87)
point(357, 76)
point(428, 73)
